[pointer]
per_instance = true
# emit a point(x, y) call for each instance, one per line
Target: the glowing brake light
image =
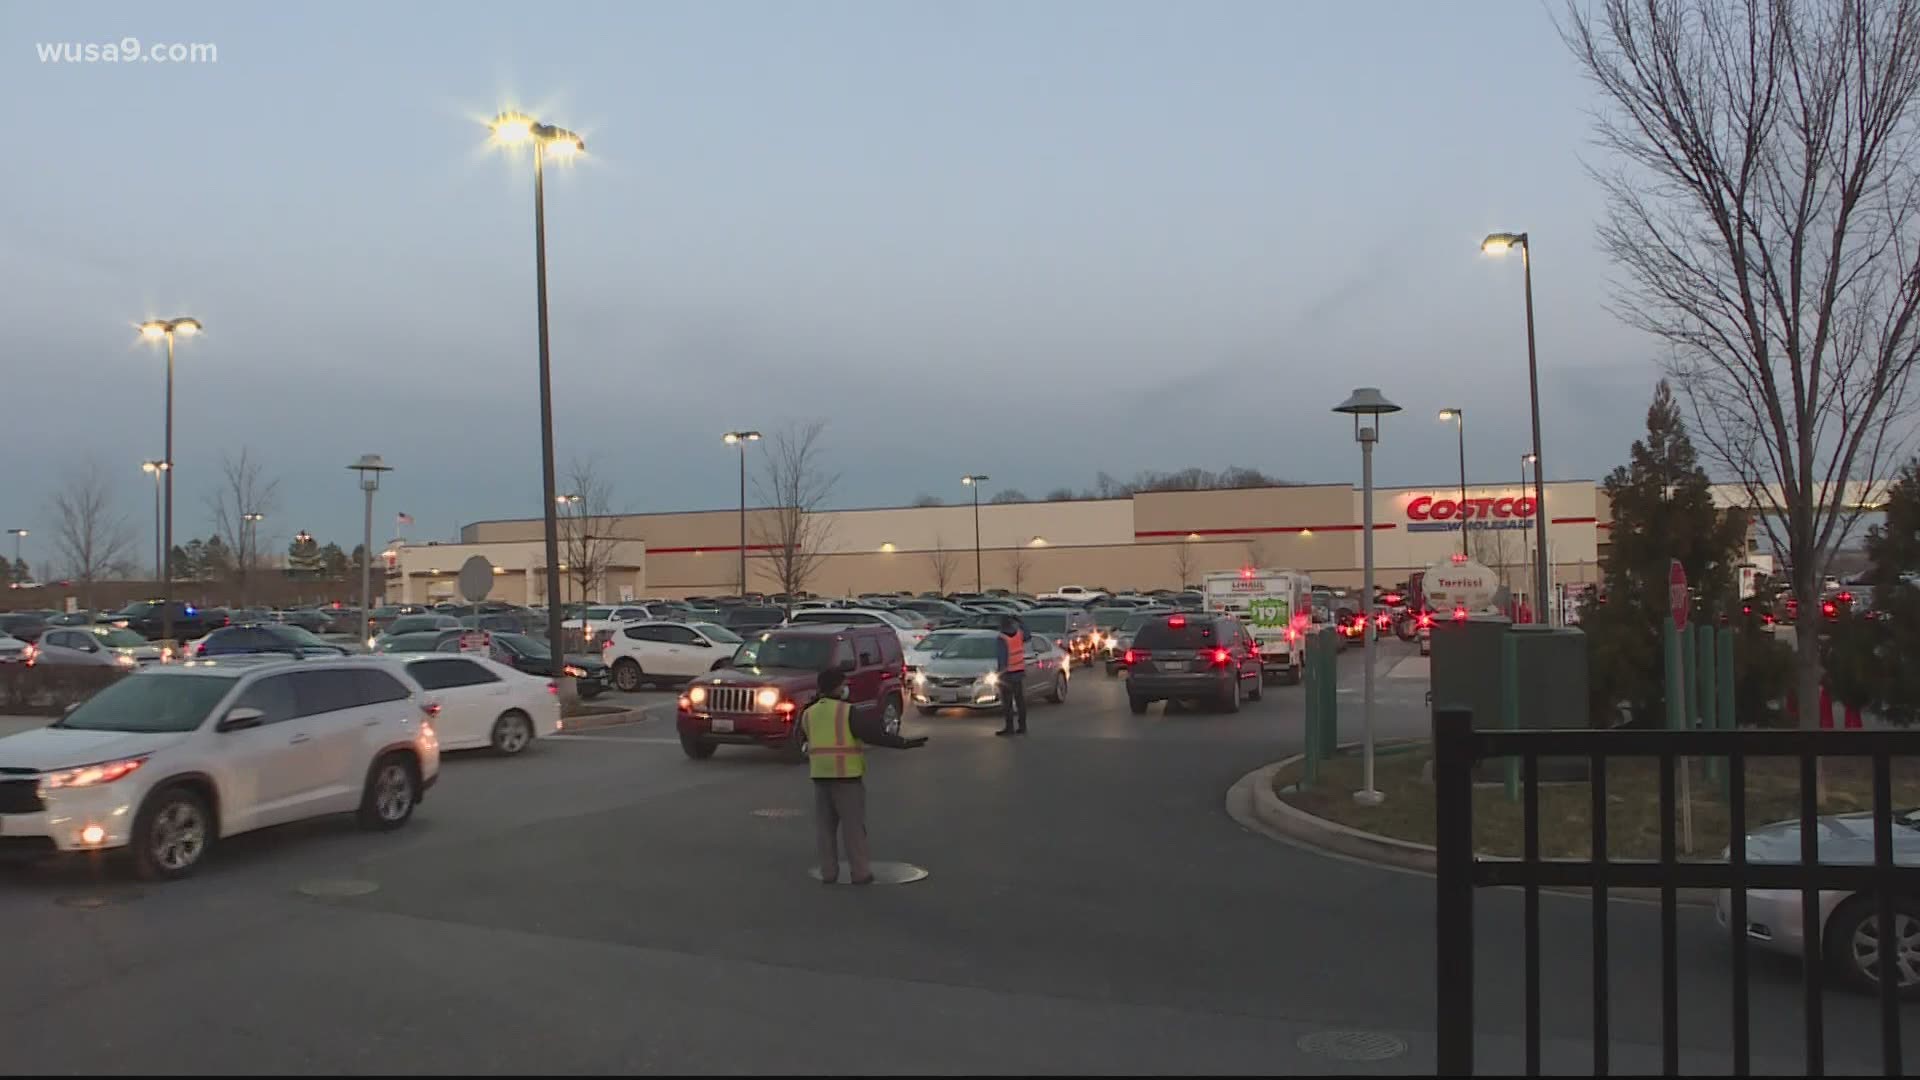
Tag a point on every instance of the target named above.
point(1219, 657)
point(1176, 621)
point(1127, 657)
point(1426, 618)
point(552, 688)
point(1828, 609)
point(1460, 613)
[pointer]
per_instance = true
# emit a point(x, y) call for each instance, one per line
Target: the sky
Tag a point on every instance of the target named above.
point(1035, 239)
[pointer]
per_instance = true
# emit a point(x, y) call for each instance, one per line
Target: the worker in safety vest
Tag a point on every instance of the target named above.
point(1012, 654)
point(837, 759)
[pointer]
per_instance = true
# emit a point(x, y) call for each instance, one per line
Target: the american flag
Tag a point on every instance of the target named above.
point(403, 519)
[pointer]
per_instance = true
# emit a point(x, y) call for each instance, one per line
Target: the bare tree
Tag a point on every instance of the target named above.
point(587, 527)
point(1765, 213)
point(1017, 567)
point(794, 484)
point(943, 562)
point(239, 505)
point(1009, 495)
point(924, 499)
point(90, 538)
point(1183, 563)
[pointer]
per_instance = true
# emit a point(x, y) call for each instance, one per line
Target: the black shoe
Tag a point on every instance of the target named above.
point(1006, 731)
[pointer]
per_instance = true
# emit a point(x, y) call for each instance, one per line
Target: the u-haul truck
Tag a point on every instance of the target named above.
point(1277, 608)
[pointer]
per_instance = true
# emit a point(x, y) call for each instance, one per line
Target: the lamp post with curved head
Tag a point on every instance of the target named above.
point(974, 480)
point(249, 549)
point(1367, 401)
point(1528, 522)
point(18, 535)
point(741, 439)
point(1500, 244)
point(156, 330)
point(370, 466)
point(159, 553)
point(515, 129)
point(570, 500)
point(1459, 418)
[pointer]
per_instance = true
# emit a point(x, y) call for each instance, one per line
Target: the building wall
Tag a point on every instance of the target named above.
point(424, 573)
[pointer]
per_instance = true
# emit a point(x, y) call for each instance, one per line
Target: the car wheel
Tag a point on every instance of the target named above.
point(1137, 704)
point(696, 748)
point(1852, 944)
point(890, 716)
point(627, 674)
point(1058, 695)
point(1230, 700)
point(512, 733)
point(393, 790)
point(171, 834)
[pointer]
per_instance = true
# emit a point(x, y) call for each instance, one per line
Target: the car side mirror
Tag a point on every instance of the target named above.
point(240, 718)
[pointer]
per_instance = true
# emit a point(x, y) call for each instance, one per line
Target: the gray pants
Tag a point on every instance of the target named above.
point(840, 807)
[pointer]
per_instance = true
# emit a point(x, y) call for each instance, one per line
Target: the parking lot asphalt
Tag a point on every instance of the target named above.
point(605, 904)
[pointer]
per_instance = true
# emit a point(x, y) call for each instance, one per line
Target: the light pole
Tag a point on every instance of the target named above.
point(1459, 418)
point(512, 129)
point(156, 468)
point(154, 330)
point(571, 500)
point(1528, 524)
point(741, 439)
point(18, 535)
point(1500, 244)
point(974, 480)
point(249, 547)
point(370, 466)
point(1367, 401)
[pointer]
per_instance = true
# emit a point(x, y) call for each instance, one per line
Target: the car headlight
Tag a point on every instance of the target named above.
point(991, 678)
point(106, 772)
point(767, 698)
point(123, 660)
point(697, 695)
point(919, 678)
point(576, 671)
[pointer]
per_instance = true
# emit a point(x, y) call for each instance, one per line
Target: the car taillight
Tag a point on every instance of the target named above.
point(1460, 613)
point(1828, 609)
point(1128, 657)
point(606, 645)
point(553, 688)
point(1219, 658)
point(1426, 619)
point(1176, 621)
point(431, 708)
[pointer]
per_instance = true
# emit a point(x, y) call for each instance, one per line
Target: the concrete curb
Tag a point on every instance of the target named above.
point(571, 724)
point(1307, 829)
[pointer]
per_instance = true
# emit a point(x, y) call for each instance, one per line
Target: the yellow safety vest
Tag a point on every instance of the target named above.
point(832, 751)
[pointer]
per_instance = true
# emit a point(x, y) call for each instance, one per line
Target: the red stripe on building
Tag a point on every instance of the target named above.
point(1264, 529)
point(1574, 521)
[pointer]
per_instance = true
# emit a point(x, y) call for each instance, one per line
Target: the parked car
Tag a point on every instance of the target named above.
point(343, 620)
point(529, 655)
point(1849, 930)
point(95, 646)
point(1072, 627)
point(413, 624)
point(597, 620)
point(82, 617)
point(1192, 656)
point(904, 624)
point(167, 762)
point(1107, 621)
point(508, 622)
point(23, 626)
point(313, 622)
point(966, 673)
point(925, 649)
point(265, 637)
point(13, 650)
point(666, 652)
point(744, 619)
point(419, 641)
point(382, 617)
point(757, 699)
point(1072, 594)
point(144, 617)
point(938, 613)
point(476, 701)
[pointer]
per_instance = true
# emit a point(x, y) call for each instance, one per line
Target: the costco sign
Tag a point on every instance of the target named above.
point(1429, 513)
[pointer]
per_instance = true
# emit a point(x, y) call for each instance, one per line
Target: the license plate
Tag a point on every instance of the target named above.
point(723, 727)
point(1178, 666)
point(950, 697)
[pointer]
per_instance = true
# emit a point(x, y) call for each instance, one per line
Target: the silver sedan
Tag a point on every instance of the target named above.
point(964, 673)
point(95, 646)
point(1849, 922)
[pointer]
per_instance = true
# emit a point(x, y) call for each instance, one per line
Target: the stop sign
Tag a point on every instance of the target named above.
point(1677, 593)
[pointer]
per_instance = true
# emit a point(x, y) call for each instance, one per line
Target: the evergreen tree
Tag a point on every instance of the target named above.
point(1662, 510)
point(183, 563)
point(1894, 547)
point(193, 566)
point(333, 561)
point(303, 558)
point(20, 571)
point(216, 560)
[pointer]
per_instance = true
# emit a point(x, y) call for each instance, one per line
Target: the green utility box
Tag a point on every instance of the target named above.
point(1546, 686)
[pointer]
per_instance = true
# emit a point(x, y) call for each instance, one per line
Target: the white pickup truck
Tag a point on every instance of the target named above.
point(1072, 594)
point(1277, 608)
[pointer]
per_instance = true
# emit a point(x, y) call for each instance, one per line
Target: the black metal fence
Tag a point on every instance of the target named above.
point(1457, 747)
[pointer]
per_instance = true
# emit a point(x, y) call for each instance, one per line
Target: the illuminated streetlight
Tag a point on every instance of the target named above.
point(18, 535)
point(157, 330)
point(512, 129)
point(741, 439)
point(974, 480)
point(1369, 402)
point(159, 553)
point(1459, 418)
point(1500, 244)
point(370, 466)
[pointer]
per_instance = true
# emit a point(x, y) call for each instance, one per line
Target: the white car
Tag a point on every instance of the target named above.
point(1072, 594)
point(476, 701)
point(168, 761)
point(931, 645)
point(911, 629)
point(600, 619)
point(658, 652)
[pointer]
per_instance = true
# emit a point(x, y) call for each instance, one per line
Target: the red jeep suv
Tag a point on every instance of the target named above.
point(756, 700)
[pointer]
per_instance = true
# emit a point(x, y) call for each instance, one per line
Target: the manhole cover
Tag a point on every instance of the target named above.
point(336, 888)
point(884, 873)
point(1352, 1045)
point(97, 900)
point(777, 812)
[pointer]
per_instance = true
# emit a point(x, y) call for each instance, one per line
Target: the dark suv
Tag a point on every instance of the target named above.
point(1192, 656)
point(756, 700)
point(144, 617)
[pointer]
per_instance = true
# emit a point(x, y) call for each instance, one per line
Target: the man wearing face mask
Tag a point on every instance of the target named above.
point(837, 738)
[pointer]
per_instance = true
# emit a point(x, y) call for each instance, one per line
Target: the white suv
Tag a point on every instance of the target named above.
point(167, 761)
point(665, 652)
point(906, 625)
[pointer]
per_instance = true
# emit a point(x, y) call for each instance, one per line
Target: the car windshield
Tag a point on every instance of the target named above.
point(525, 646)
point(719, 634)
point(598, 612)
point(903, 618)
point(422, 642)
point(806, 651)
point(408, 624)
point(115, 638)
point(1107, 618)
point(151, 703)
point(971, 647)
point(1045, 622)
point(938, 640)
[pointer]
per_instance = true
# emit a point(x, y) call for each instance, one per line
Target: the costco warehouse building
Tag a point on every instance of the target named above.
point(1150, 540)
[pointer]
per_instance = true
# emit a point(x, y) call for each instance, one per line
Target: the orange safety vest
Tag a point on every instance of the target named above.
point(833, 753)
point(1016, 651)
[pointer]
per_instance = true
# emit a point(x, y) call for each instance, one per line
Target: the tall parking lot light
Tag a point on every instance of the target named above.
point(156, 468)
point(512, 130)
point(155, 330)
point(1500, 244)
point(1459, 418)
point(741, 439)
point(1367, 401)
point(370, 466)
point(974, 480)
point(18, 535)
point(1527, 460)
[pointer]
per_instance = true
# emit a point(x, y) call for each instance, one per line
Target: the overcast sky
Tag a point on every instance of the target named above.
point(1035, 239)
